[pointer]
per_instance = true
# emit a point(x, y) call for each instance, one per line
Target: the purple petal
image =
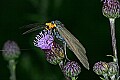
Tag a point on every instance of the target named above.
point(44, 40)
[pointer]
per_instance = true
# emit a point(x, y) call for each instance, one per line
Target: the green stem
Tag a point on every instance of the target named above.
point(12, 66)
point(112, 26)
point(61, 64)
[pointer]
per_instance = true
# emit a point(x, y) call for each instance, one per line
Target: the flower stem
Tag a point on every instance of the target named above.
point(12, 66)
point(112, 26)
point(61, 64)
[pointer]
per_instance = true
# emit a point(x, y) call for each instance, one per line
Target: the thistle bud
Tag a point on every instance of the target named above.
point(52, 58)
point(71, 69)
point(111, 8)
point(113, 69)
point(10, 50)
point(55, 55)
point(100, 68)
point(58, 50)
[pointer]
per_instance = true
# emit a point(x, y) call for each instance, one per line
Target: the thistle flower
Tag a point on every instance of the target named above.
point(113, 68)
point(111, 8)
point(52, 58)
point(100, 68)
point(71, 69)
point(55, 55)
point(44, 40)
point(10, 50)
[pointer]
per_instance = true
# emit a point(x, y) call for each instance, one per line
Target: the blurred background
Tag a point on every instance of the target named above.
point(83, 18)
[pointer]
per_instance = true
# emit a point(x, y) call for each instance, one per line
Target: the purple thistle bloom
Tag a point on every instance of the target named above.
point(10, 50)
point(71, 69)
point(111, 8)
point(100, 68)
point(44, 40)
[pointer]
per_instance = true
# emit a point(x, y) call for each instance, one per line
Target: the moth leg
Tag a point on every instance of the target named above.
point(65, 51)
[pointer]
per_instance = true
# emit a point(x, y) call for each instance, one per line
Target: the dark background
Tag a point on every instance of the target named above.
point(83, 18)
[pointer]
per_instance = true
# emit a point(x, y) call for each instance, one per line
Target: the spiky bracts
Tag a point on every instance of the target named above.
point(111, 8)
point(72, 69)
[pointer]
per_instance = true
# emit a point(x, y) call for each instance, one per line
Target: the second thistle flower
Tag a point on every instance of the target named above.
point(10, 50)
point(100, 68)
point(72, 69)
point(111, 8)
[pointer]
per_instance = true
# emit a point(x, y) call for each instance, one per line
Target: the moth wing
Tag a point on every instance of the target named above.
point(34, 27)
point(74, 45)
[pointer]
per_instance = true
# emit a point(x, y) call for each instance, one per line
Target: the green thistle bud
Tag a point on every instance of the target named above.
point(52, 58)
point(10, 50)
point(113, 69)
point(111, 8)
point(100, 68)
point(71, 69)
